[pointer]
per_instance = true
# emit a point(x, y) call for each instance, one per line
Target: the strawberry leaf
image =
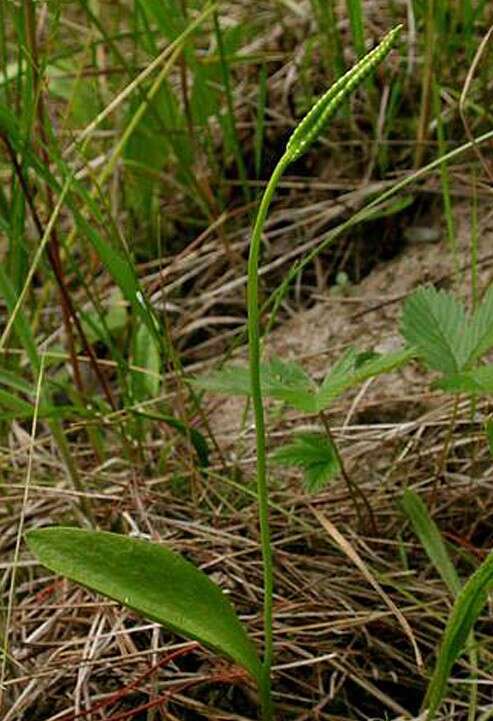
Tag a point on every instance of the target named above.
point(315, 454)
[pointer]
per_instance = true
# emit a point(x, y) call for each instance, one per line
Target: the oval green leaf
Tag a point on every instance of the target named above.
point(152, 580)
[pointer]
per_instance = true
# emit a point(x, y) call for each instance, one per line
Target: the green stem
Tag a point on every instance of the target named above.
point(262, 489)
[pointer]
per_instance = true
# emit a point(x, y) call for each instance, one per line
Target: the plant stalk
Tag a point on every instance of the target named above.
point(262, 489)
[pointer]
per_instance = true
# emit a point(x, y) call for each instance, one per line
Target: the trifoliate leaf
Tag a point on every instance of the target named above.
point(283, 381)
point(288, 382)
point(315, 454)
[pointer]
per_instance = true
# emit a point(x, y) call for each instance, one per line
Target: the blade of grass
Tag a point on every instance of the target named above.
point(355, 12)
point(20, 530)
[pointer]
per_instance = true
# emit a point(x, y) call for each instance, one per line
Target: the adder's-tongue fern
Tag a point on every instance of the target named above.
point(303, 136)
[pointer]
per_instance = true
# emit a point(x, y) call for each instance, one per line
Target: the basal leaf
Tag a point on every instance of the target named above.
point(474, 382)
point(315, 454)
point(435, 323)
point(431, 539)
point(467, 608)
point(152, 580)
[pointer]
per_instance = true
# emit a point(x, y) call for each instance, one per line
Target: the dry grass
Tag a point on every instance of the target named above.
point(342, 652)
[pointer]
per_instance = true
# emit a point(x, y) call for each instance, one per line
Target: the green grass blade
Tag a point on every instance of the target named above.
point(230, 112)
point(260, 120)
point(324, 11)
point(466, 611)
point(431, 539)
point(21, 325)
point(196, 438)
point(152, 580)
point(355, 12)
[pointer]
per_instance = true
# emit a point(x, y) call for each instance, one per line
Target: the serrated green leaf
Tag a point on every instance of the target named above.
point(435, 323)
point(465, 612)
point(152, 580)
point(315, 454)
point(232, 380)
point(431, 539)
point(288, 382)
point(476, 381)
point(353, 369)
point(282, 381)
point(481, 328)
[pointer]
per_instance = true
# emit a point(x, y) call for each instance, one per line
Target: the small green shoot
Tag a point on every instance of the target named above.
point(431, 539)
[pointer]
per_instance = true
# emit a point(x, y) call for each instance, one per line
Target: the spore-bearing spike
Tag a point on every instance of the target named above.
point(311, 125)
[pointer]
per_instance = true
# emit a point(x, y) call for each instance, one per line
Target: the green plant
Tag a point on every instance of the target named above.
point(451, 340)
point(315, 453)
point(152, 580)
point(470, 600)
point(446, 337)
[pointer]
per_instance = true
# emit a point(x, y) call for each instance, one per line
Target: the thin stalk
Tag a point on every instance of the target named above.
point(446, 448)
point(262, 489)
point(426, 84)
point(352, 486)
point(447, 200)
point(303, 136)
point(474, 244)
